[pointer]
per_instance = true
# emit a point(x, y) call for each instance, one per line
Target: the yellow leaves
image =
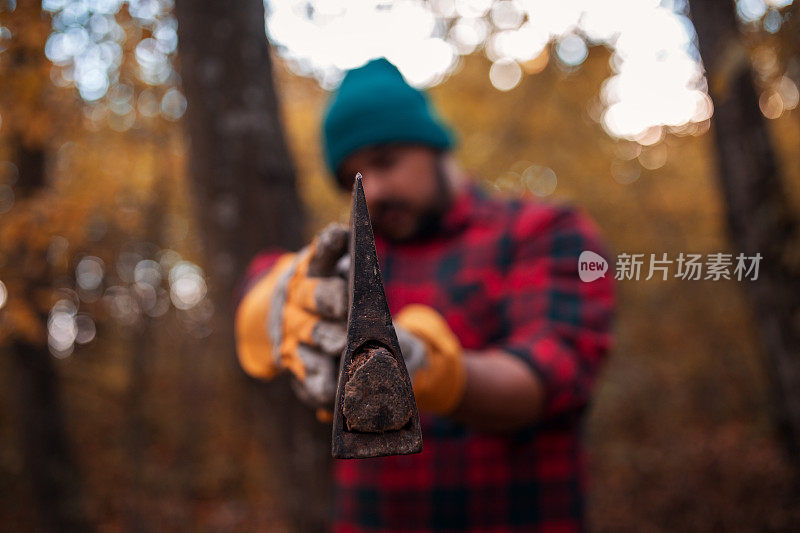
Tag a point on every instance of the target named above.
point(29, 103)
point(26, 235)
point(29, 227)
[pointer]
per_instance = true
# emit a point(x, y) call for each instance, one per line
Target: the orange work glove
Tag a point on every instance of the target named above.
point(434, 358)
point(294, 319)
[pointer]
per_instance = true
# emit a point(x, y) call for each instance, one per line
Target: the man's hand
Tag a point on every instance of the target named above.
point(434, 358)
point(295, 319)
point(491, 391)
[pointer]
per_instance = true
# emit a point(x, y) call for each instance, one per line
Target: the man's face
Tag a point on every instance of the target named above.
point(406, 193)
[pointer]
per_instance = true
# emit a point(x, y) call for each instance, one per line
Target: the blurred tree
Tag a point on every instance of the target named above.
point(759, 214)
point(246, 200)
point(49, 464)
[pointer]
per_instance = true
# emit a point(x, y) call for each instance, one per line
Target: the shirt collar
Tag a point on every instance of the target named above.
point(460, 211)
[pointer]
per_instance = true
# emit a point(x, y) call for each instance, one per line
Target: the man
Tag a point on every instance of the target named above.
point(501, 338)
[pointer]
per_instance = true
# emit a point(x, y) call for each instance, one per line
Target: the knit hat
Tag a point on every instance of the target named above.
point(375, 105)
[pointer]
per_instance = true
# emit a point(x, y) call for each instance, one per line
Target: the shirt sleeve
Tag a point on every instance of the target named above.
point(558, 324)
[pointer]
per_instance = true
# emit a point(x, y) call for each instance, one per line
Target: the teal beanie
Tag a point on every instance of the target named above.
point(374, 105)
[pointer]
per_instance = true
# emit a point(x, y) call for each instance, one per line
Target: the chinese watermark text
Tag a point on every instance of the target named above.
point(712, 266)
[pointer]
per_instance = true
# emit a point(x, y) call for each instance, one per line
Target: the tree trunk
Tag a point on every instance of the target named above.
point(141, 341)
point(759, 216)
point(240, 165)
point(50, 469)
point(246, 201)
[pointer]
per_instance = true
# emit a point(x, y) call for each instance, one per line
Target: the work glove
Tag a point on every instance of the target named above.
point(434, 358)
point(294, 319)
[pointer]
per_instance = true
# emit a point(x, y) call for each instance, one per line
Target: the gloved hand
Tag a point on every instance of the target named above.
point(294, 319)
point(434, 358)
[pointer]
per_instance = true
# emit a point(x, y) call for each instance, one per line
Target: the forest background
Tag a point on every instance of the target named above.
point(147, 150)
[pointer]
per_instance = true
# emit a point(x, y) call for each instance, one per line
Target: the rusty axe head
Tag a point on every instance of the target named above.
point(375, 412)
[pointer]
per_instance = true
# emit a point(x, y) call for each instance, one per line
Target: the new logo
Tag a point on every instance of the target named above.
point(591, 266)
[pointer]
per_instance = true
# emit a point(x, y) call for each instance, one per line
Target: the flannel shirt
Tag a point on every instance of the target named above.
point(504, 275)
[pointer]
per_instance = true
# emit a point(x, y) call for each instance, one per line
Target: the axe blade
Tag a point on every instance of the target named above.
point(375, 412)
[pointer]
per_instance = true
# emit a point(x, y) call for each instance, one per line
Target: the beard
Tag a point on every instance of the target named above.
point(401, 221)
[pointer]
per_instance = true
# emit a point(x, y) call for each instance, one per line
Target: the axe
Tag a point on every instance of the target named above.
point(375, 413)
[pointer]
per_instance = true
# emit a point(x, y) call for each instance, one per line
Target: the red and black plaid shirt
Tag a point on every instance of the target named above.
point(504, 274)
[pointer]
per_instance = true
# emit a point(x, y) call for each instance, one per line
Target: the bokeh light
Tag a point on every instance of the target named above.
point(122, 305)
point(173, 104)
point(750, 10)
point(3, 295)
point(145, 283)
point(653, 157)
point(187, 285)
point(62, 329)
point(326, 37)
point(505, 74)
point(87, 45)
point(657, 82)
point(89, 273)
point(86, 329)
point(572, 50)
point(5, 37)
point(541, 181)
point(782, 96)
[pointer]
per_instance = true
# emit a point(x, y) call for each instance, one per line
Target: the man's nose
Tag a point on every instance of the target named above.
point(374, 184)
